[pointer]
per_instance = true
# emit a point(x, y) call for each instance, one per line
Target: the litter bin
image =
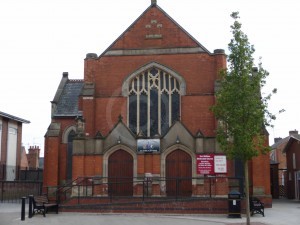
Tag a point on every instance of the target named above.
point(234, 204)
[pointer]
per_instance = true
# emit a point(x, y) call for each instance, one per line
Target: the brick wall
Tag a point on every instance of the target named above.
point(190, 206)
point(199, 75)
point(51, 169)
point(108, 72)
point(4, 140)
point(293, 165)
point(173, 36)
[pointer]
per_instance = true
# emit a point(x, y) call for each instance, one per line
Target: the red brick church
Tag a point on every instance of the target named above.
point(143, 109)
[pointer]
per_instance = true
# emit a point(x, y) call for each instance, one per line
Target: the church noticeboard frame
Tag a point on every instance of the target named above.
point(211, 164)
point(205, 164)
point(220, 164)
point(148, 145)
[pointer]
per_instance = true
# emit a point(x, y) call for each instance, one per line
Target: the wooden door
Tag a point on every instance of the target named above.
point(120, 173)
point(178, 174)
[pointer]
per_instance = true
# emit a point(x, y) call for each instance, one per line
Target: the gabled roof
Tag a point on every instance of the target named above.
point(291, 140)
point(67, 99)
point(280, 142)
point(11, 117)
point(178, 133)
point(148, 27)
point(120, 134)
point(284, 141)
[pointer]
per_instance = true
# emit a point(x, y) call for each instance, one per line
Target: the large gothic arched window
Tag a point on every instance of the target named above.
point(153, 101)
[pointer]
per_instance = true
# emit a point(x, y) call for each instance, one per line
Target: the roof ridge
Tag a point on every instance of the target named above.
point(12, 117)
point(76, 80)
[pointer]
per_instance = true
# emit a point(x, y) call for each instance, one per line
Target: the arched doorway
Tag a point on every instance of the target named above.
point(178, 174)
point(120, 173)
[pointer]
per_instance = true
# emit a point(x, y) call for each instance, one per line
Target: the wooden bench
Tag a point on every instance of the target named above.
point(41, 204)
point(256, 206)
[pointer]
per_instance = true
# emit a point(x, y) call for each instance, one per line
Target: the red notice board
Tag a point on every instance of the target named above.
point(205, 164)
point(211, 164)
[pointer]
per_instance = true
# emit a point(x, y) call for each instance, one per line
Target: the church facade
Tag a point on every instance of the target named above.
point(142, 110)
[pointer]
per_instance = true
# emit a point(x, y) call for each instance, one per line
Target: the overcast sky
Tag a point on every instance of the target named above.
point(41, 39)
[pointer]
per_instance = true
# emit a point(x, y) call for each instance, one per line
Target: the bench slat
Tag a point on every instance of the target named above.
point(256, 206)
point(41, 204)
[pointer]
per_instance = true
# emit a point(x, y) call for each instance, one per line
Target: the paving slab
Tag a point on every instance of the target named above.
point(283, 212)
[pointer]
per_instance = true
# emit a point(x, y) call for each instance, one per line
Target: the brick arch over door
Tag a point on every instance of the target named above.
point(120, 173)
point(178, 173)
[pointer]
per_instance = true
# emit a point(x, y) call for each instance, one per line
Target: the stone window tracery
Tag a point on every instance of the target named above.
point(154, 102)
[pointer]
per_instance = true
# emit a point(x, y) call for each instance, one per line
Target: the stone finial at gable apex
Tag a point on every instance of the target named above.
point(199, 134)
point(153, 2)
point(120, 118)
point(99, 135)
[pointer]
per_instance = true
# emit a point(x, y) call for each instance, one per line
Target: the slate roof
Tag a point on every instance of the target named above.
point(284, 141)
point(293, 138)
point(278, 143)
point(67, 104)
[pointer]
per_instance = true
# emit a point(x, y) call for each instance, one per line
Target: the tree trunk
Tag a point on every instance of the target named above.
point(247, 191)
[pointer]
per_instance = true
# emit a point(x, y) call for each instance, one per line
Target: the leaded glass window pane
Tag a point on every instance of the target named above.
point(167, 82)
point(143, 113)
point(153, 112)
point(153, 71)
point(135, 83)
point(164, 110)
point(172, 84)
point(133, 113)
point(161, 78)
point(175, 106)
point(146, 82)
point(154, 102)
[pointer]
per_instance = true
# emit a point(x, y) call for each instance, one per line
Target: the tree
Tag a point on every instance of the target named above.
point(240, 108)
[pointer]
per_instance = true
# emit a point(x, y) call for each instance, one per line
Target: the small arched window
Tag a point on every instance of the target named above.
point(153, 102)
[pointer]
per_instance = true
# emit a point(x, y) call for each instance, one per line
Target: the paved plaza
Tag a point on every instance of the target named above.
point(283, 212)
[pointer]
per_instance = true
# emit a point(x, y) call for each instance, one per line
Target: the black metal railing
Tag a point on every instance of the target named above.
point(145, 189)
point(13, 191)
point(12, 173)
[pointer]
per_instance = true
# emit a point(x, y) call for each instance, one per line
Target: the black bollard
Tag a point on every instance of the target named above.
point(23, 209)
point(30, 206)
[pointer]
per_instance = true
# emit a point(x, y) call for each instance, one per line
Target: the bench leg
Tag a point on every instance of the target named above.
point(258, 211)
